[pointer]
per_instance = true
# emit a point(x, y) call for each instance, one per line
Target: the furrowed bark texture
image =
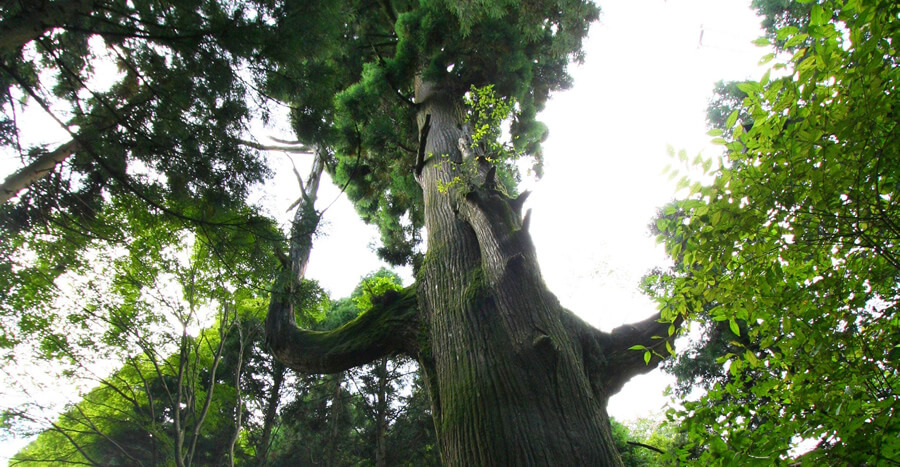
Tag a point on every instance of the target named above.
point(507, 376)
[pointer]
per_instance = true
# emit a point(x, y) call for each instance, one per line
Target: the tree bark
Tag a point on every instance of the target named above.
point(238, 403)
point(38, 18)
point(515, 379)
point(35, 171)
point(335, 419)
point(381, 411)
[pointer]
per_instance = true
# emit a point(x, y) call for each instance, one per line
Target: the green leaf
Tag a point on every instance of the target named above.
point(796, 40)
point(734, 327)
point(816, 15)
point(637, 347)
point(732, 119)
point(749, 87)
point(647, 357)
point(751, 357)
point(786, 32)
point(761, 42)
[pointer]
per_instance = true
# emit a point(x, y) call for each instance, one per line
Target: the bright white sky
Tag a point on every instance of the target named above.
point(645, 83)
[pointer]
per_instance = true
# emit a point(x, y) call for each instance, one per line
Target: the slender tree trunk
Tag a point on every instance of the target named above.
point(336, 407)
point(381, 412)
point(238, 404)
point(278, 371)
point(507, 379)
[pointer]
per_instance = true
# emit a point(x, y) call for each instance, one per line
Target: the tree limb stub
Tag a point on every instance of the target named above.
point(35, 171)
point(624, 361)
point(610, 358)
point(388, 328)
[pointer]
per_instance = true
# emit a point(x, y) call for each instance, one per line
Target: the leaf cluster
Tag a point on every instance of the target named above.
point(790, 254)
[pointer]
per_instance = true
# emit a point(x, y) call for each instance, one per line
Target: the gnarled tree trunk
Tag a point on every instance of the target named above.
point(514, 378)
point(508, 381)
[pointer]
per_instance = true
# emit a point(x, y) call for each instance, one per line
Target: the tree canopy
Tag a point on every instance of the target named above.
point(788, 259)
point(144, 216)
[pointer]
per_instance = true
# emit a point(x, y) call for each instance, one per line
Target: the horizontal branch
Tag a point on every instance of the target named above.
point(608, 358)
point(388, 328)
point(625, 363)
point(32, 23)
point(36, 170)
point(265, 147)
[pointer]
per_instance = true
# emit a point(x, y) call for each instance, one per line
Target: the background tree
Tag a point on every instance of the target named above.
point(792, 249)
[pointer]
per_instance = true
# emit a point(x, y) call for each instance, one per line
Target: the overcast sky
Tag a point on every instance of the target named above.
point(649, 71)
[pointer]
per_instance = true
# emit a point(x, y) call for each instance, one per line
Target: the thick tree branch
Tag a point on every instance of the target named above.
point(389, 328)
point(32, 23)
point(302, 149)
point(608, 358)
point(625, 363)
point(36, 170)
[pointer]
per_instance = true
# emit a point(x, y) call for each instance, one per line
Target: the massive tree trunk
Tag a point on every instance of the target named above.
point(508, 381)
point(514, 378)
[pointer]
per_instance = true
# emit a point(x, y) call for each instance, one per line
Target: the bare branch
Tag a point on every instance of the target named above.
point(646, 446)
point(36, 170)
point(265, 147)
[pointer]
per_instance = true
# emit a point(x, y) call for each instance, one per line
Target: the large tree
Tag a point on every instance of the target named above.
point(514, 378)
point(378, 91)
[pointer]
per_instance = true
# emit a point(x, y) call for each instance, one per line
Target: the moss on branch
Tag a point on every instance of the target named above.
point(388, 328)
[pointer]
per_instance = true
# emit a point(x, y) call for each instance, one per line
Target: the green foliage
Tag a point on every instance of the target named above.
point(354, 80)
point(123, 247)
point(128, 418)
point(333, 419)
point(375, 286)
point(648, 442)
point(791, 253)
